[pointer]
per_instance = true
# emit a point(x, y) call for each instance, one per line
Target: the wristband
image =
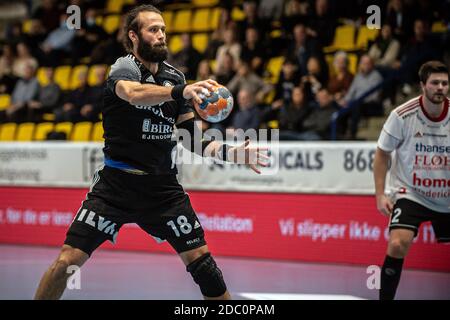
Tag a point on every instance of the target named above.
point(177, 92)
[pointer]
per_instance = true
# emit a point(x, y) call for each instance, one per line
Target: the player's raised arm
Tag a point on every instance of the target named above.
point(149, 94)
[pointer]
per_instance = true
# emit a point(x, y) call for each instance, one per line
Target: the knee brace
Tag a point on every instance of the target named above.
point(208, 276)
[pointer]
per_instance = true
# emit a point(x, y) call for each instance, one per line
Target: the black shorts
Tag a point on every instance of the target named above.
point(408, 214)
point(157, 204)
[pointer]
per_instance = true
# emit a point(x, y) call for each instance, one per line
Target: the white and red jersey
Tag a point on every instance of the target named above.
point(420, 169)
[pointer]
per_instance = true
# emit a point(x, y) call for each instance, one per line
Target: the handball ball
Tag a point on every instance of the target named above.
point(217, 106)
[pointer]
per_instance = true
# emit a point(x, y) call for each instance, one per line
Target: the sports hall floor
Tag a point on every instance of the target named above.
point(138, 275)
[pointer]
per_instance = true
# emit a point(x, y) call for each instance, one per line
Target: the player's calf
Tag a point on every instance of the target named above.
point(54, 281)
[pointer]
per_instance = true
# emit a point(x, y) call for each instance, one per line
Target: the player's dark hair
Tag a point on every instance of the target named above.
point(132, 23)
point(431, 67)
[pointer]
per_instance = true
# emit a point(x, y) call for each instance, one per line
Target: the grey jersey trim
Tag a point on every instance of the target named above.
point(126, 63)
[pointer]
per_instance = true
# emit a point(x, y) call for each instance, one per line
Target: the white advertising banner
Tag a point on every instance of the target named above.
point(49, 163)
point(306, 167)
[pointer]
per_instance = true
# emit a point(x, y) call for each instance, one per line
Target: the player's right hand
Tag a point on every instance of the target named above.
point(192, 91)
point(384, 205)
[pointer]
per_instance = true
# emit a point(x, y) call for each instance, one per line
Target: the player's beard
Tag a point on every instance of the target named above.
point(436, 97)
point(149, 53)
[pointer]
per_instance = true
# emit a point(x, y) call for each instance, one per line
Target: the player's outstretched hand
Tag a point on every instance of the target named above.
point(251, 156)
point(384, 205)
point(192, 91)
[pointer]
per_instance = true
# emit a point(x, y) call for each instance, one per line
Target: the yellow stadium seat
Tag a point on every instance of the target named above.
point(439, 27)
point(237, 14)
point(212, 65)
point(42, 129)
point(25, 131)
point(48, 117)
point(114, 6)
point(182, 21)
point(74, 78)
point(92, 78)
point(111, 23)
point(200, 22)
point(274, 67)
point(353, 62)
point(42, 77)
point(99, 21)
point(175, 44)
point(205, 3)
point(344, 38)
point(65, 127)
point(62, 77)
point(26, 26)
point(168, 19)
point(5, 101)
point(81, 131)
point(97, 132)
point(7, 131)
point(365, 35)
point(200, 41)
point(214, 19)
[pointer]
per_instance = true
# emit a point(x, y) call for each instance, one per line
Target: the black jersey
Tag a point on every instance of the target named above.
point(141, 136)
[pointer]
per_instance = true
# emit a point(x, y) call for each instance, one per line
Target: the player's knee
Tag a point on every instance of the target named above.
point(208, 276)
point(399, 246)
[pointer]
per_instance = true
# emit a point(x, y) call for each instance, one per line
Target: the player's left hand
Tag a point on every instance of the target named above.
point(251, 156)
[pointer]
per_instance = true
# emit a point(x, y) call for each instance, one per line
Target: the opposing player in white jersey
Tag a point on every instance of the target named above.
point(417, 133)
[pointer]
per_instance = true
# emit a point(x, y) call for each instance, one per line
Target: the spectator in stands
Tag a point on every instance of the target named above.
point(58, 43)
point(87, 37)
point(247, 117)
point(204, 71)
point(289, 78)
point(108, 51)
point(270, 10)
point(253, 50)
point(245, 78)
point(317, 124)
point(48, 99)
point(7, 78)
point(48, 13)
point(385, 50)
point(400, 17)
point(322, 23)
point(366, 79)
point(35, 36)
point(252, 19)
point(231, 45)
point(228, 69)
point(25, 90)
point(385, 54)
point(216, 38)
point(418, 50)
point(342, 78)
point(188, 58)
point(295, 12)
point(77, 104)
point(302, 48)
point(91, 110)
point(316, 77)
point(290, 115)
point(23, 59)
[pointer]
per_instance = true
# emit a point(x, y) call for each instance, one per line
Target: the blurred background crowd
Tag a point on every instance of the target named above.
point(311, 68)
